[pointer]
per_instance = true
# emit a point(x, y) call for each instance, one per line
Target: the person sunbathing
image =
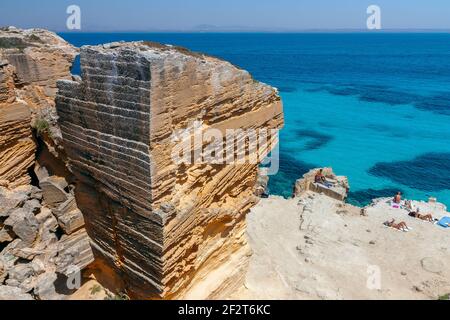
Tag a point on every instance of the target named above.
point(399, 226)
point(424, 217)
point(398, 198)
point(321, 179)
point(409, 206)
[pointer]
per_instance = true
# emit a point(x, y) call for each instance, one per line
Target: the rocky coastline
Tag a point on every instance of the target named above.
point(94, 206)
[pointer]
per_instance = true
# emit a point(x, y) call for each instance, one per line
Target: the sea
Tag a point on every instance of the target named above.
point(374, 106)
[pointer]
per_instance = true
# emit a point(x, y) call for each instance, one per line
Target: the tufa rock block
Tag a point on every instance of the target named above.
point(154, 221)
point(339, 189)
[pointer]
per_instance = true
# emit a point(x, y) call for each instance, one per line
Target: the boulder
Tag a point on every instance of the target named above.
point(47, 221)
point(24, 224)
point(339, 189)
point(33, 206)
point(10, 200)
point(65, 207)
point(74, 250)
point(6, 235)
point(262, 185)
point(53, 191)
point(22, 276)
point(3, 273)
point(13, 293)
point(7, 258)
point(21, 272)
point(45, 287)
point(36, 193)
point(71, 221)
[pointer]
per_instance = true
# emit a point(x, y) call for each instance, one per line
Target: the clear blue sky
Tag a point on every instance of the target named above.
point(148, 15)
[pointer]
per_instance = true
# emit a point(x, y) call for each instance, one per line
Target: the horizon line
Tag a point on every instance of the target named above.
point(338, 30)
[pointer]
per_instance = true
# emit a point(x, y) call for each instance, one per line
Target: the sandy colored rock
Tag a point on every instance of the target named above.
point(74, 251)
point(31, 61)
point(17, 147)
point(40, 58)
point(32, 242)
point(3, 272)
point(11, 199)
point(71, 221)
point(6, 235)
point(338, 187)
point(45, 287)
point(24, 224)
point(158, 223)
point(7, 85)
point(306, 248)
point(53, 191)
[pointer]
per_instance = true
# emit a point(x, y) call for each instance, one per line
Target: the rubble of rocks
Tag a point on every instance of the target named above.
point(42, 239)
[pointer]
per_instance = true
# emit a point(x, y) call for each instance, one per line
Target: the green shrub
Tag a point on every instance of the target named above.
point(41, 126)
point(95, 289)
point(120, 296)
point(12, 43)
point(34, 38)
point(445, 297)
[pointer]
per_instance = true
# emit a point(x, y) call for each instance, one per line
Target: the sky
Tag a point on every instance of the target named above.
point(238, 15)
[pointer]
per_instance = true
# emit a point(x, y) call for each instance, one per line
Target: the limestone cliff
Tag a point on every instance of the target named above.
point(31, 61)
point(160, 224)
point(17, 147)
point(41, 230)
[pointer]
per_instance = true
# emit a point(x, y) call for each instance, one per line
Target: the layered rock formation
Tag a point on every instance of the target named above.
point(41, 229)
point(17, 148)
point(162, 225)
point(39, 58)
point(31, 61)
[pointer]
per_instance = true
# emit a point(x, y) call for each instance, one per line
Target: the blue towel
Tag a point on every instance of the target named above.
point(444, 222)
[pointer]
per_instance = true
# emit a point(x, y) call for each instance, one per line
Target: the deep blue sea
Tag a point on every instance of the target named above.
point(374, 106)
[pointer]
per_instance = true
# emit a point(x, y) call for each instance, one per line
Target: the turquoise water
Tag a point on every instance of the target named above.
point(375, 107)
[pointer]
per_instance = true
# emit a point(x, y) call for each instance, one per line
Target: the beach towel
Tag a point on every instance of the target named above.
point(395, 205)
point(324, 184)
point(444, 222)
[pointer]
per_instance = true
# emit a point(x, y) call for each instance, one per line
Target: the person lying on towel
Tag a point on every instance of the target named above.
point(409, 206)
point(424, 217)
point(399, 226)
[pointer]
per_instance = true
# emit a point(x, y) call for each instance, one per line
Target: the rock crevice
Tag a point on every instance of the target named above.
point(31, 62)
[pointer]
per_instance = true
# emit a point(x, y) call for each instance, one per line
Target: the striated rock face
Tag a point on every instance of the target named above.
point(39, 58)
point(17, 147)
point(162, 225)
point(31, 61)
point(41, 230)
